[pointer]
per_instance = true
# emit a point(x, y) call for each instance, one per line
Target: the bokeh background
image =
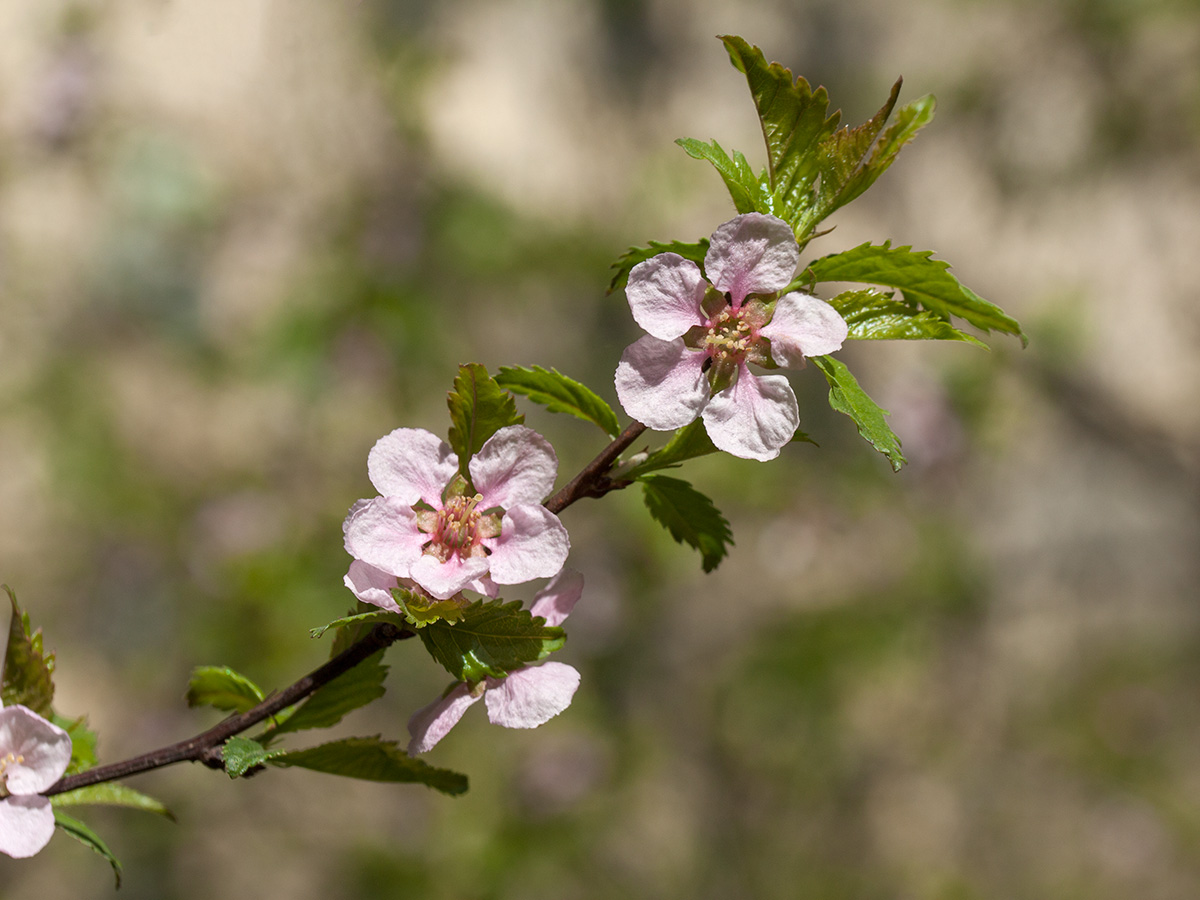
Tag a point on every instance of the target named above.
point(242, 239)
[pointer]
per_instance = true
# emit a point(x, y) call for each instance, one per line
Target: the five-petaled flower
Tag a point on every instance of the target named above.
point(526, 697)
point(34, 754)
point(432, 526)
point(693, 361)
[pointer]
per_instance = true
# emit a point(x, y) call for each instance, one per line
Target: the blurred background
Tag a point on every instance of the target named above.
point(240, 240)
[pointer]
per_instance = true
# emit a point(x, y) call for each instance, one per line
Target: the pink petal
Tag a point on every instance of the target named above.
point(661, 383)
point(751, 254)
point(372, 585)
point(664, 295)
point(26, 825)
point(431, 723)
point(412, 464)
point(445, 579)
point(515, 465)
point(384, 533)
point(530, 697)
point(42, 750)
point(753, 417)
point(802, 326)
point(555, 601)
point(533, 544)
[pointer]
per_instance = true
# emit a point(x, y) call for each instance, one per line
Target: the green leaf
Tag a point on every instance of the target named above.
point(28, 669)
point(634, 255)
point(847, 397)
point(560, 394)
point(420, 610)
point(378, 615)
point(478, 409)
point(689, 516)
point(748, 192)
point(687, 443)
point(329, 703)
point(872, 316)
point(242, 754)
point(372, 759)
point(492, 638)
point(111, 793)
point(922, 280)
point(83, 742)
point(88, 838)
point(909, 120)
point(222, 687)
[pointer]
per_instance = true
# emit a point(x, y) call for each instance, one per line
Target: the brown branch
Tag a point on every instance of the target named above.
point(593, 480)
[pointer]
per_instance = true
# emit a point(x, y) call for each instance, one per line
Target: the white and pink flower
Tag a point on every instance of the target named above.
point(34, 754)
point(429, 525)
point(525, 698)
point(701, 338)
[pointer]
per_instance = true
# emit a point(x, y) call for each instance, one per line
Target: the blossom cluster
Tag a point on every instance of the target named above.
point(34, 754)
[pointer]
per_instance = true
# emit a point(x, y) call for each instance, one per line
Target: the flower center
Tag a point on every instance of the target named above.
point(728, 336)
point(457, 528)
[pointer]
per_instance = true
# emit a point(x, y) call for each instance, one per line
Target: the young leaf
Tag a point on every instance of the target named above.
point(847, 397)
point(242, 754)
point(222, 687)
point(27, 668)
point(920, 278)
point(560, 394)
point(634, 255)
point(420, 610)
point(687, 443)
point(329, 703)
point(111, 794)
point(88, 838)
point(83, 742)
point(372, 759)
point(872, 316)
point(909, 120)
point(491, 639)
point(378, 615)
point(689, 516)
point(747, 191)
point(478, 409)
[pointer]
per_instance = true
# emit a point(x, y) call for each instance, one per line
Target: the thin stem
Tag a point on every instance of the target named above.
point(593, 480)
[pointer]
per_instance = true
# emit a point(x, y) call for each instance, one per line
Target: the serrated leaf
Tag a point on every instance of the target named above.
point(872, 316)
point(111, 793)
point(689, 516)
point(28, 669)
point(847, 397)
point(242, 754)
point(748, 192)
point(372, 759)
point(222, 687)
point(327, 705)
point(560, 394)
point(634, 255)
point(492, 638)
point(367, 618)
point(687, 443)
point(83, 742)
point(922, 280)
point(421, 610)
point(478, 409)
point(88, 838)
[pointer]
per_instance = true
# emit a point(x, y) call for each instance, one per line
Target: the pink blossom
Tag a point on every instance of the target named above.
point(694, 360)
point(525, 698)
point(431, 526)
point(34, 754)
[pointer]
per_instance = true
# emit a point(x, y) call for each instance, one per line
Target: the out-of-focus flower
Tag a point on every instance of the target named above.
point(34, 754)
point(701, 338)
point(428, 525)
point(525, 698)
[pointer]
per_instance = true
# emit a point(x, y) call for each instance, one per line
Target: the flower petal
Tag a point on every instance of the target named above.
point(555, 601)
point(664, 294)
point(26, 825)
point(515, 465)
point(661, 383)
point(412, 464)
point(41, 750)
point(752, 254)
point(443, 580)
point(754, 416)
point(533, 544)
point(384, 533)
point(530, 697)
point(372, 585)
point(431, 723)
point(802, 326)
